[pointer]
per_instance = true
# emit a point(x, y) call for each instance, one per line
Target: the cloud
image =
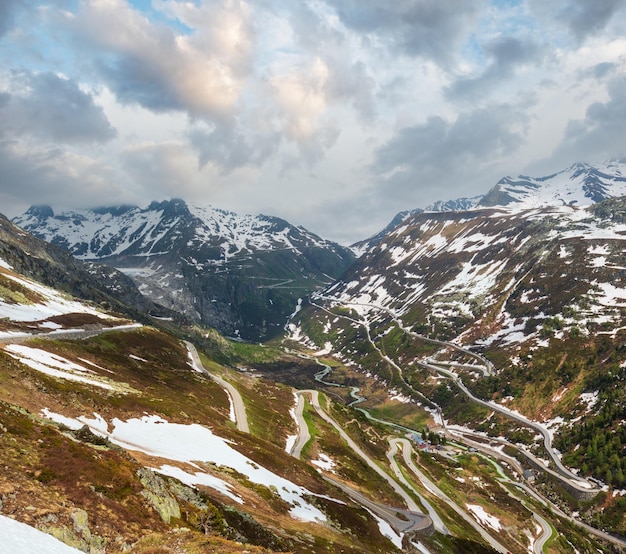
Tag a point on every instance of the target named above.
point(52, 108)
point(229, 148)
point(45, 176)
point(163, 169)
point(583, 19)
point(150, 64)
point(599, 136)
point(435, 159)
point(599, 71)
point(430, 29)
point(301, 98)
point(506, 55)
point(8, 9)
point(348, 79)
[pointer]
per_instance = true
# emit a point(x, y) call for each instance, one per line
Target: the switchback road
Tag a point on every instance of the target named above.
point(415, 519)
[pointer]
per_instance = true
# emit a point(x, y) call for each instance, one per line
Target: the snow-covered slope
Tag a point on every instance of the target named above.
point(496, 274)
point(240, 274)
point(460, 204)
point(23, 300)
point(19, 538)
point(130, 230)
point(580, 184)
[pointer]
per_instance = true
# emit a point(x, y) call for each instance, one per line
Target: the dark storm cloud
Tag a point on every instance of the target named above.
point(438, 154)
point(8, 9)
point(427, 28)
point(476, 135)
point(506, 55)
point(49, 107)
point(136, 82)
point(600, 70)
point(582, 18)
point(600, 135)
point(587, 17)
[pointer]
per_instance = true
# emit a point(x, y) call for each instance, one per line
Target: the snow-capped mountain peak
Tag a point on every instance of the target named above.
point(229, 270)
point(114, 231)
point(581, 184)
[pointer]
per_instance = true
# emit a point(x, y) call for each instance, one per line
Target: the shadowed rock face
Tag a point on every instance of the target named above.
point(56, 268)
point(240, 274)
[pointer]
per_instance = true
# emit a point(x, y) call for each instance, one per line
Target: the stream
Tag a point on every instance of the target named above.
point(354, 394)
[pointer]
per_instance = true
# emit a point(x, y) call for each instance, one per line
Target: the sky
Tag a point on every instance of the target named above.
point(332, 114)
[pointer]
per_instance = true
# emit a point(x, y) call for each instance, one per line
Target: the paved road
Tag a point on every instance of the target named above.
point(303, 429)
point(487, 367)
point(409, 521)
point(241, 418)
point(407, 448)
point(417, 521)
point(396, 445)
point(546, 533)
point(572, 478)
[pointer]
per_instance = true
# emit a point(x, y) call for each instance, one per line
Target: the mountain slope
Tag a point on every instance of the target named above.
point(523, 308)
point(240, 274)
point(54, 267)
point(119, 442)
point(580, 184)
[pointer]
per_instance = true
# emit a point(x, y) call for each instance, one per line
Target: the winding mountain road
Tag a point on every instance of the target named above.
point(241, 418)
point(488, 369)
point(413, 519)
point(406, 448)
point(396, 445)
point(563, 472)
point(303, 429)
point(573, 479)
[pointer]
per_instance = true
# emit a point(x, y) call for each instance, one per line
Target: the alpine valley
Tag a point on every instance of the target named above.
point(239, 274)
point(453, 384)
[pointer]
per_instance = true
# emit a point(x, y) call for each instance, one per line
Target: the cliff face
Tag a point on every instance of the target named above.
point(242, 275)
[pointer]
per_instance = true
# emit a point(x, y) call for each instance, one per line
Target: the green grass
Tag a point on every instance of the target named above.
point(407, 415)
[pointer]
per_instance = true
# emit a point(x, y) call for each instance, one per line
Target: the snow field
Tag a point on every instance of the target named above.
point(189, 444)
point(19, 538)
point(56, 366)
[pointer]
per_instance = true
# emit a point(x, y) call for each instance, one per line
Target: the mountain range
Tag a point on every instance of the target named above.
point(242, 275)
point(456, 388)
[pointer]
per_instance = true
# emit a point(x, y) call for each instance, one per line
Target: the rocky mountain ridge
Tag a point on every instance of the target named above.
point(580, 184)
point(240, 274)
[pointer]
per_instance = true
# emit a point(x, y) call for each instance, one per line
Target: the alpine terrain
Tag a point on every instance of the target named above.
point(240, 274)
point(506, 324)
point(457, 388)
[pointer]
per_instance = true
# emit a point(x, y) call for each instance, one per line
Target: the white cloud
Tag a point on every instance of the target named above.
point(155, 66)
point(334, 115)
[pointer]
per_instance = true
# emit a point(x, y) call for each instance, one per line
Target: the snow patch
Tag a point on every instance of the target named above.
point(156, 436)
point(19, 538)
point(483, 517)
